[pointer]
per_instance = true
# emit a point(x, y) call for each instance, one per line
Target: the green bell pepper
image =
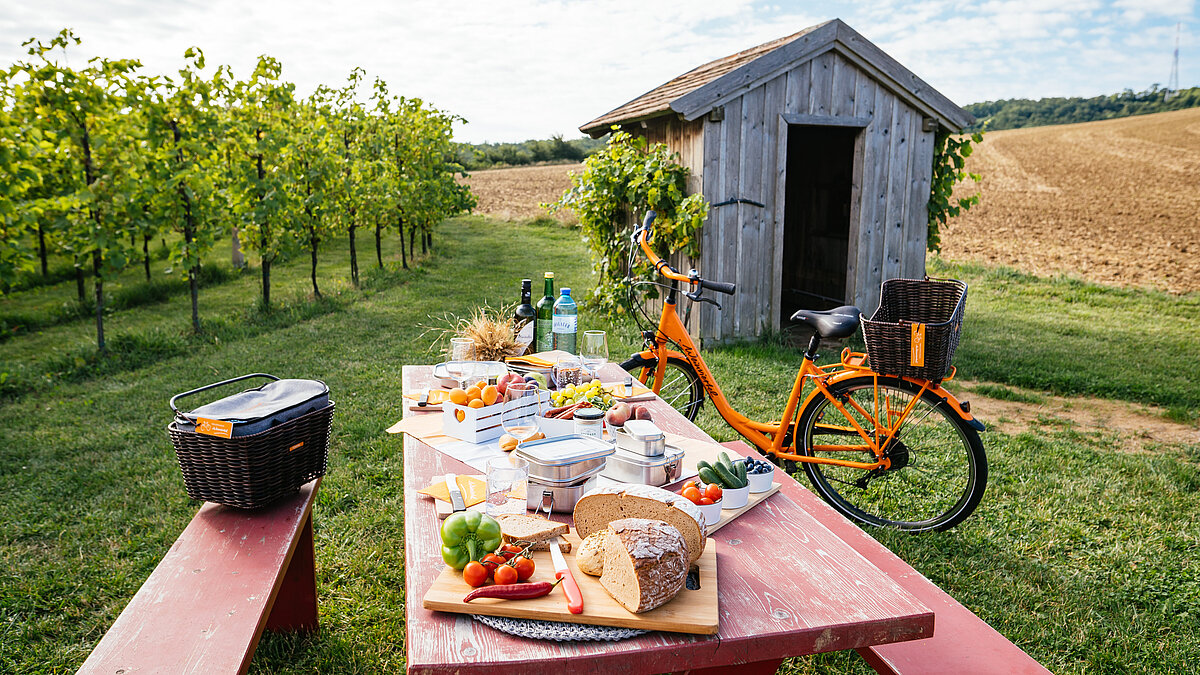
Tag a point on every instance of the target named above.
point(467, 536)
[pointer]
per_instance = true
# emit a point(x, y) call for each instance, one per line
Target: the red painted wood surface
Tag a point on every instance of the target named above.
point(789, 586)
point(204, 607)
point(963, 643)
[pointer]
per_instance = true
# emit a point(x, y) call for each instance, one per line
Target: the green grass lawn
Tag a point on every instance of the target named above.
point(1087, 558)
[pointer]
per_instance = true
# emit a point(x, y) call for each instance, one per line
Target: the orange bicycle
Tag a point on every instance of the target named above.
point(885, 450)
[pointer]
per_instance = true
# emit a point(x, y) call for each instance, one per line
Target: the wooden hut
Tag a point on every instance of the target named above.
point(815, 152)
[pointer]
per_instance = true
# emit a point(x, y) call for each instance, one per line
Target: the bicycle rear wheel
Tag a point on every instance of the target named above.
point(939, 467)
point(681, 387)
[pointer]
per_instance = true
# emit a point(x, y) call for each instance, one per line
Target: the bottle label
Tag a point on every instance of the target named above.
point(565, 323)
point(545, 336)
point(525, 334)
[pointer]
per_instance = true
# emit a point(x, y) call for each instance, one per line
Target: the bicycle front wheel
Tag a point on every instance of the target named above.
point(681, 387)
point(938, 467)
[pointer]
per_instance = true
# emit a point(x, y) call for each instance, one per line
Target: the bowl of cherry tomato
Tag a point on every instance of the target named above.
point(708, 498)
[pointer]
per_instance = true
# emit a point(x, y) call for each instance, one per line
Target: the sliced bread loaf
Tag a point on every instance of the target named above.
point(645, 563)
point(516, 527)
point(596, 509)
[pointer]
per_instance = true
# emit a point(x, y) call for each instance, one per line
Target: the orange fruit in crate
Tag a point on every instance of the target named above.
point(475, 403)
point(460, 415)
point(481, 384)
point(458, 396)
point(489, 394)
point(473, 393)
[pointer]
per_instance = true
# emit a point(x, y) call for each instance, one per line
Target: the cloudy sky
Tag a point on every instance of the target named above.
point(531, 68)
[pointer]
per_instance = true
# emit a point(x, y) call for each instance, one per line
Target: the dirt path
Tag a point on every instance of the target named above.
point(1139, 428)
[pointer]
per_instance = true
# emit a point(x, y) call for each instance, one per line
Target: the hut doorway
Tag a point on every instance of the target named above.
point(816, 235)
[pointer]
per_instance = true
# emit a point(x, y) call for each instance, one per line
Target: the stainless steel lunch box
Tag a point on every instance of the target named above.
point(643, 437)
point(631, 467)
point(560, 496)
point(564, 459)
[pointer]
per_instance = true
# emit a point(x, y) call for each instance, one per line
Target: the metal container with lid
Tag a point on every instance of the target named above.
point(643, 437)
point(560, 496)
point(632, 467)
point(564, 459)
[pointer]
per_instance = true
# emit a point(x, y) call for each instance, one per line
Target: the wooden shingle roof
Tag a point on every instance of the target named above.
point(695, 92)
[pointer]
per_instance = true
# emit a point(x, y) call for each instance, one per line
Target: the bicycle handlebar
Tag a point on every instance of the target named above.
point(664, 268)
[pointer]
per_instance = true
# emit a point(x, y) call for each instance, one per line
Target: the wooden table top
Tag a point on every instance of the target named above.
point(788, 587)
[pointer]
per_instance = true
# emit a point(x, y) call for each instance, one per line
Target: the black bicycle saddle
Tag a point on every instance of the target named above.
point(832, 324)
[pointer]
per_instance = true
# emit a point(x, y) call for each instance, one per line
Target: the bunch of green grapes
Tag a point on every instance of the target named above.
point(592, 391)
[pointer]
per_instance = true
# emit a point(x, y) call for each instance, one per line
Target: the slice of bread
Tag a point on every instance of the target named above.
point(596, 509)
point(645, 563)
point(540, 531)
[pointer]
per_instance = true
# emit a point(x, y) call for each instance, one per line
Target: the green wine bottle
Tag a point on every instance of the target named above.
point(544, 332)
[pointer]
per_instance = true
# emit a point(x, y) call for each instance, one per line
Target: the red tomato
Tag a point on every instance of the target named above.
point(713, 492)
point(524, 568)
point(475, 574)
point(506, 575)
point(510, 551)
point(692, 494)
point(491, 561)
point(691, 483)
point(705, 501)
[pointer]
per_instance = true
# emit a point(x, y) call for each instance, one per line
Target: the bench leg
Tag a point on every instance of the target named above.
point(295, 608)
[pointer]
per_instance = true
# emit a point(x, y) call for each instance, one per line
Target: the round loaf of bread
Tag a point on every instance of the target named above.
point(645, 563)
point(596, 509)
point(590, 556)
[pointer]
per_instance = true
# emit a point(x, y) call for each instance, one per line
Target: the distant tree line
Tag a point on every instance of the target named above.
point(1015, 113)
point(553, 150)
point(99, 159)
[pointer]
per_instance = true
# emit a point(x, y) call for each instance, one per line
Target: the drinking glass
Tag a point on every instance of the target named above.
point(594, 350)
point(519, 417)
point(507, 485)
point(458, 357)
point(568, 370)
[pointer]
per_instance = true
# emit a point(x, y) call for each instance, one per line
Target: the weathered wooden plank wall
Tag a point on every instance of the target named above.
point(745, 156)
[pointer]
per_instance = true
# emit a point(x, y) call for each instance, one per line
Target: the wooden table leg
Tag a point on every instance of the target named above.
point(757, 668)
point(295, 608)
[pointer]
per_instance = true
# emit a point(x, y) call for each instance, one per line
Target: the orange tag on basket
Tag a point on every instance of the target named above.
point(218, 428)
point(916, 349)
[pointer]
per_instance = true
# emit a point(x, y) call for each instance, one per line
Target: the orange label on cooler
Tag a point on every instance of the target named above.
point(298, 445)
point(216, 428)
point(916, 350)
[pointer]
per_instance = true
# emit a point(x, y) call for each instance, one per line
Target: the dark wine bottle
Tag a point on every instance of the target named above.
point(524, 319)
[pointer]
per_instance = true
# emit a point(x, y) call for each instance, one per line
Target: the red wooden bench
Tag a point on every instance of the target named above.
point(231, 574)
point(961, 642)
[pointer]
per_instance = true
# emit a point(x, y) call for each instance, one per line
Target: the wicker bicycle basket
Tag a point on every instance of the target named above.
point(251, 471)
point(905, 307)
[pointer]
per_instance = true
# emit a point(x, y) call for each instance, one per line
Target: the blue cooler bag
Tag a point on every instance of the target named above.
point(251, 448)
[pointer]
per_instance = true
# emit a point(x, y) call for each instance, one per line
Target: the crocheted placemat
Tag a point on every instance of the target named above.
point(556, 630)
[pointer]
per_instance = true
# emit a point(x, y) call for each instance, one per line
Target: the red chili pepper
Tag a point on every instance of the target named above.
point(513, 591)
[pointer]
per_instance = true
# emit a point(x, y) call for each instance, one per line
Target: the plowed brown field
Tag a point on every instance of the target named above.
point(1117, 201)
point(514, 194)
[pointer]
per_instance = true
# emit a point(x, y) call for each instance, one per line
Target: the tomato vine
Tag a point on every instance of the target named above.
point(630, 175)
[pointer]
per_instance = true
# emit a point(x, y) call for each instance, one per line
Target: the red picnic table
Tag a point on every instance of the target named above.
point(788, 587)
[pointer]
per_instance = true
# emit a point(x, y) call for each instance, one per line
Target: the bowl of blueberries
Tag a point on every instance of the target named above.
point(760, 473)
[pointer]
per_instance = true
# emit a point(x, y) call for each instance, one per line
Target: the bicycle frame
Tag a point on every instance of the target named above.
point(771, 437)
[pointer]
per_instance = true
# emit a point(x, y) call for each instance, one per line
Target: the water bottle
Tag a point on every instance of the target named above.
point(566, 322)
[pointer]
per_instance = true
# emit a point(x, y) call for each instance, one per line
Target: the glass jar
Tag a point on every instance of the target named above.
point(589, 422)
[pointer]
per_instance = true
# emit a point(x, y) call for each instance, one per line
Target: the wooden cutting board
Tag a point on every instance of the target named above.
point(691, 611)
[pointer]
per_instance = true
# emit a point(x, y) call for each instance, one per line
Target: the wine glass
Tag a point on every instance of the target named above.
point(519, 417)
point(594, 350)
point(458, 357)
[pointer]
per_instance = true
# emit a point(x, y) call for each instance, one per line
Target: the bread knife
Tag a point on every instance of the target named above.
point(561, 571)
point(456, 498)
